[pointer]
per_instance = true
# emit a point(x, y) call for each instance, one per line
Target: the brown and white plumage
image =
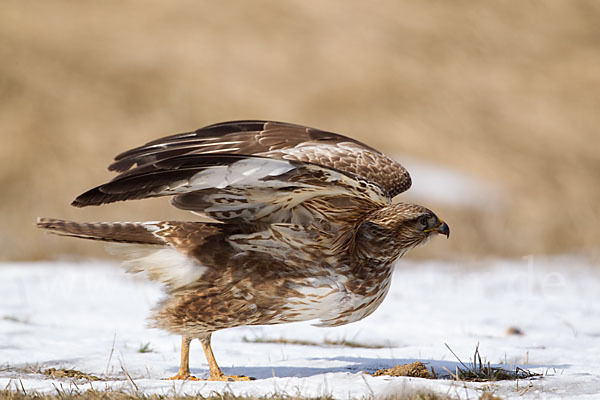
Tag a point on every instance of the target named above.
point(304, 226)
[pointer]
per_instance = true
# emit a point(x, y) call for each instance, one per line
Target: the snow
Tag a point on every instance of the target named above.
point(91, 317)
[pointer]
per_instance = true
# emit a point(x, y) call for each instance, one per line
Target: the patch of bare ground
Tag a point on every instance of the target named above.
point(326, 342)
point(52, 373)
point(123, 395)
point(477, 371)
point(57, 373)
point(415, 370)
point(480, 371)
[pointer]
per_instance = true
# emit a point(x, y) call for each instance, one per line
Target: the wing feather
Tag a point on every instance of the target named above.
point(257, 171)
point(275, 140)
point(237, 188)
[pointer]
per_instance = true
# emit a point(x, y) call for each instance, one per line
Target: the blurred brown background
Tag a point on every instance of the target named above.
point(504, 92)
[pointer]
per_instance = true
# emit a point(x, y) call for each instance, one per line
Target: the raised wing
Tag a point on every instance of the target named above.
point(239, 188)
point(276, 140)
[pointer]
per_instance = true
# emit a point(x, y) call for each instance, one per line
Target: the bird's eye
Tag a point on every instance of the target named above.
point(423, 220)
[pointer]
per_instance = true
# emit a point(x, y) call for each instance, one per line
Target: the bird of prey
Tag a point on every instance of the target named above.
point(303, 227)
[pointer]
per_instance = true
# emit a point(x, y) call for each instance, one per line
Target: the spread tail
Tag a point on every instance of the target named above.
point(118, 232)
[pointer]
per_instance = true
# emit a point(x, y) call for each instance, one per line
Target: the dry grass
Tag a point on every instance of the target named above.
point(121, 395)
point(480, 371)
point(60, 373)
point(326, 342)
point(505, 91)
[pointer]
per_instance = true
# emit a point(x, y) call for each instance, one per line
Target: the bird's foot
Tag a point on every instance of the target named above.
point(182, 376)
point(230, 378)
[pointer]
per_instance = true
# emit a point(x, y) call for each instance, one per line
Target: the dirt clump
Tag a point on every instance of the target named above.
point(68, 373)
point(416, 370)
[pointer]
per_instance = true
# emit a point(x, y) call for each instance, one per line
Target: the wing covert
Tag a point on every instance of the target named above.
point(245, 189)
point(275, 140)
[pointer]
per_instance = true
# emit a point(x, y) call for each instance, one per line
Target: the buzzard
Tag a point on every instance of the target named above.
point(303, 227)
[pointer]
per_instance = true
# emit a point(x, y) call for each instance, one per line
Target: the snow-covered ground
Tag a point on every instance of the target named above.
point(91, 317)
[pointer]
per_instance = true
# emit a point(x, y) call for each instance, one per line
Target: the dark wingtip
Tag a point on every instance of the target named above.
point(93, 197)
point(78, 204)
point(81, 200)
point(120, 165)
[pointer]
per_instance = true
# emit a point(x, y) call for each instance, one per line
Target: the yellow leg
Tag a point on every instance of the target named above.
point(184, 366)
point(215, 371)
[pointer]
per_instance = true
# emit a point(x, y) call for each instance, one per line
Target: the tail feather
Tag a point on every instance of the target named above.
point(118, 232)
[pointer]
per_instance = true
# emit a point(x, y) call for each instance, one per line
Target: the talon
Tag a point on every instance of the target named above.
point(231, 378)
point(182, 377)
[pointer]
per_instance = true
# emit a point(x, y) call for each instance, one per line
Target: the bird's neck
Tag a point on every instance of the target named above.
point(374, 244)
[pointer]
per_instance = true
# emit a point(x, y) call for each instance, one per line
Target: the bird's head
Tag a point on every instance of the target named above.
point(399, 227)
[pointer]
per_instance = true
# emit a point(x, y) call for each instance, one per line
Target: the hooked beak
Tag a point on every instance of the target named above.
point(443, 229)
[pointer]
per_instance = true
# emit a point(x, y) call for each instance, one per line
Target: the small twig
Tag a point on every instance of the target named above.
point(525, 390)
point(128, 376)
point(111, 354)
point(459, 360)
point(57, 391)
point(433, 373)
point(451, 374)
point(22, 387)
point(368, 386)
